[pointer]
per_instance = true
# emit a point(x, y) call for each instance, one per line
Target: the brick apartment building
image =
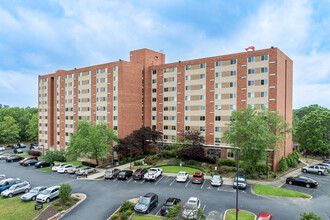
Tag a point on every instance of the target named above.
point(196, 94)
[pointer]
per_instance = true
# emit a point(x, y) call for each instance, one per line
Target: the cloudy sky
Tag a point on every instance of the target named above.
point(38, 37)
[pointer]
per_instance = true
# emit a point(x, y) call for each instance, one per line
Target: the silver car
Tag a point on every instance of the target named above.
point(320, 170)
point(32, 195)
point(17, 189)
point(216, 180)
point(48, 194)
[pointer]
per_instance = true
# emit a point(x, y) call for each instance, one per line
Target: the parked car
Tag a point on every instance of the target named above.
point(265, 216)
point(33, 146)
point(326, 161)
point(182, 176)
point(2, 148)
point(326, 165)
point(302, 181)
point(23, 187)
point(7, 183)
point(125, 174)
point(64, 169)
point(82, 170)
point(191, 207)
point(30, 163)
point(28, 158)
point(241, 181)
point(54, 168)
point(3, 176)
point(320, 170)
point(21, 145)
point(32, 195)
point(153, 174)
point(48, 194)
point(198, 177)
point(13, 146)
point(168, 205)
point(110, 174)
point(42, 164)
point(4, 156)
point(139, 174)
point(146, 203)
point(14, 158)
point(18, 151)
point(216, 180)
point(73, 170)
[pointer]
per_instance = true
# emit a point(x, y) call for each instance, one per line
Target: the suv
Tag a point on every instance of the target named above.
point(7, 183)
point(139, 173)
point(16, 189)
point(110, 174)
point(320, 170)
point(28, 158)
point(241, 181)
point(48, 194)
point(190, 209)
point(198, 177)
point(146, 203)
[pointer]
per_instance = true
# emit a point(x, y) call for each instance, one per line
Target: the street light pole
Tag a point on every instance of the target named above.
point(237, 158)
point(130, 159)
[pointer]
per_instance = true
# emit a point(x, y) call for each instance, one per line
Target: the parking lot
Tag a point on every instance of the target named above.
point(105, 196)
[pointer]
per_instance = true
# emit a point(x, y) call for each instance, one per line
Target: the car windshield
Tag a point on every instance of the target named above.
point(3, 183)
point(137, 173)
point(217, 178)
point(12, 187)
point(122, 173)
point(197, 176)
point(191, 204)
point(108, 172)
point(181, 174)
point(45, 192)
point(144, 201)
point(152, 170)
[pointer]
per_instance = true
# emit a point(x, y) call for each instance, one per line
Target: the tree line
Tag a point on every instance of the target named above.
point(18, 124)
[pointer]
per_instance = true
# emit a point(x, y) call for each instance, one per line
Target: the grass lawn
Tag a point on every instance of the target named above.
point(274, 191)
point(142, 217)
point(48, 169)
point(242, 215)
point(15, 209)
point(176, 169)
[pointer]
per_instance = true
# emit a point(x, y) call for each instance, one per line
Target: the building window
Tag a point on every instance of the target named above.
point(187, 118)
point(154, 90)
point(173, 118)
point(264, 82)
point(202, 128)
point(263, 94)
point(250, 94)
point(217, 129)
point(154, 99)
point(154, 72)
point(165, 108)
point(230, 154)
point(115, 118)
point(165, 79)
point(173, 137)
point(202, 118)
point(202, 86)
point(232, 95)
point(165, 99)
point(218, 85)
point(188, 77)
point(251, 83)
point(115, 68)
point(187, 87)
point(187, 98)
point(173, 98)
point(202, 107)
point(166, 70)
point(264, 57)
point(250, 105)
point(218, 74)
point(153, 108)
point(174, 69)
point(115, 108)
point(264, 69)
point(218, 63)
point(232, 107)
point(173, 108)
point(173, 79)
point(187, 108)
point(187, 128)
point(202, 76)
point(188, 67)
point(217, 96)
point(114, 89)
point(217, 118)
point(165, 89)
point(217, 140)
point(173, 89)
point(250, 71)
point(217, 107)
point(165, 137)
point(154, 81)
point(115, 78)
point(232, 84)
point(165, 118)
point(233, 61)
point(202, 97)
point(115, 128)
point(250, 59)
point(233, 73)
point(203, 65)
point(264, 106)
point(165, 127)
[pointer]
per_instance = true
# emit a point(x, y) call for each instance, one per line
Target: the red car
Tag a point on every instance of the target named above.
point(139, 173)
point(13, 146)
point(198, 177)
point(28, 158)
point(265, 216)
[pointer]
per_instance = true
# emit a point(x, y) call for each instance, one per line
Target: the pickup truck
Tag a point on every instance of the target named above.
point(153, 174)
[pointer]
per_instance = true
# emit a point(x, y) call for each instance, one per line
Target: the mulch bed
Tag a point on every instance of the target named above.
point(52, 210)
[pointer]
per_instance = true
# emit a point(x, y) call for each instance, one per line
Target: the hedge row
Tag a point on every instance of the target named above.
point(291, 161)
point(34, 153)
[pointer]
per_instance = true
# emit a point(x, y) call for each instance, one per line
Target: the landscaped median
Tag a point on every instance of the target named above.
point(274, 191)
point(242, 215)
point(148, 217)
point(177, 169)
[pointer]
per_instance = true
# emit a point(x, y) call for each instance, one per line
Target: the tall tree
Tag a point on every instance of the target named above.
point(253, 132)
point(91, 140)
point(9, 130)
point(313, 132)
point(32, 128)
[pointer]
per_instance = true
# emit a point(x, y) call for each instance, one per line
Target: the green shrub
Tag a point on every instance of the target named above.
point(227, 162)
point(283, 166)
point(75, 198)
point(56, 203)
point(114, 216)
point(137, 163)
point(274, 175)
point(150, 152)
point(295, 163)
point(60, 208)
point(123, 216)
point(129, 212)
point(65, 192)
point(289, 161)
point(262, 168)
point(127, 205)
point(173, 211)
point(68, 203)
point(155, 157)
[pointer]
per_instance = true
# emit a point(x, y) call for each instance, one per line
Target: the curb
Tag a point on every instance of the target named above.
point(252, 191)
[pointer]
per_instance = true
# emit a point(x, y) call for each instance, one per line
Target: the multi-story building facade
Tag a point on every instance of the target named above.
point(189, 95)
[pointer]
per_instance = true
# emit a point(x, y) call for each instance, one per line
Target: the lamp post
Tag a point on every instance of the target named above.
point(130, 159)
point(237, 158)
point(43, 152)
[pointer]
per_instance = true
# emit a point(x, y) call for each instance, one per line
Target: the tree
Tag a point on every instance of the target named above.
point(32, 128)
point(309, 216)
point(65, 192)
point(253, 132)
point(52, 156)
point(138, 140)
point(9, 130)
point(313, 132)
point(91, 140)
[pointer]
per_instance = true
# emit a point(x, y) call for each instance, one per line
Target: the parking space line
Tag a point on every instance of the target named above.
point(203, 184)
point(130, 180)
point(158, 212)
point(115, 180)
point(159, 180)
point(218, 188)
point(172, 182)
point(142, 181)
point(204, 208)
point(188, 182)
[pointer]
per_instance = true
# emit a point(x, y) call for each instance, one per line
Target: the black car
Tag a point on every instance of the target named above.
point(125, 174)
point(146, 203)
point(21, 145)
point(168, 205)
point(18, 151)
point(139, 173)
point(14, 158)
point(302, 181)
point(30, 162)
point(42, 164)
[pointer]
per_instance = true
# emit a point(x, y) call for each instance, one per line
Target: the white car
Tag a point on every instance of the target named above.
point(73, 170)
point(2, 148)
point(64, 169)
point(4, 156)
point(153, 174)
point(54, 168)
point(48, 194)
point(182, 176)
point(190, 209)
point(216, 180)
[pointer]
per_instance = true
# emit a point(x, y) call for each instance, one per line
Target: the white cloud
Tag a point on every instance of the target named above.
point(308, 94)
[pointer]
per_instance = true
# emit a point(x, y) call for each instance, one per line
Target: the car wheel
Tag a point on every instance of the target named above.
point(29, 164)
point(320, 173)
point(304, 171)
point(147, 212)
point(65, 171)
point(290, 182)
point(94, 171)
point(33, 198)
point(26, 190)
point(10, 195)
point(48, 200)
point(308, 186)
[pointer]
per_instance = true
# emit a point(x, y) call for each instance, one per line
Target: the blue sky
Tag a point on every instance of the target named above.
point(38, 37)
